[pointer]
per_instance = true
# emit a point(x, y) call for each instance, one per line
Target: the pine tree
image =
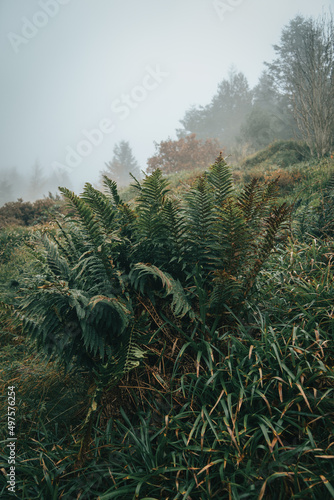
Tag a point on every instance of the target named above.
point(37, 182)
point(122, 165)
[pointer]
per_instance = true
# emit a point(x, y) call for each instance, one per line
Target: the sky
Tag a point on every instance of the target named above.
point(78, 76)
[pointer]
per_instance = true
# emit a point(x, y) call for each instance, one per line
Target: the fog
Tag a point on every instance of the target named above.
point(78, 76)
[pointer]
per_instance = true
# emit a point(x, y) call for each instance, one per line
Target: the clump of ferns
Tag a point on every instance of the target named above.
point(111, 263)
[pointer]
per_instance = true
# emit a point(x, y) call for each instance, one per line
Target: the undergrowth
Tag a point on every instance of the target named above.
point(220, 384)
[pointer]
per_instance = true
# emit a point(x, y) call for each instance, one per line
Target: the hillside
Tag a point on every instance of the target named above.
point(173, 340)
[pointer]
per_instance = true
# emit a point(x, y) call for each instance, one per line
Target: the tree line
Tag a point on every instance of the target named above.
point(293, 99)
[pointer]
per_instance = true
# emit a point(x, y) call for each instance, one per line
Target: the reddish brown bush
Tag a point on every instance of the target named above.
point(187, 153)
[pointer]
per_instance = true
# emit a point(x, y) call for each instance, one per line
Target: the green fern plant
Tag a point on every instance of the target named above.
point(204, 252)
point(234, 234)
point(109, 263)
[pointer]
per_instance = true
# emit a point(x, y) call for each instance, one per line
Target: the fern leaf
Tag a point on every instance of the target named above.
point(220, 178)
point(180, 304)
point(100, 205)
point(112, 188)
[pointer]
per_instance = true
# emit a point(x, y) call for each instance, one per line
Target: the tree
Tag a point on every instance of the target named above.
point(187, 153)
point(122, 164)
point(37, 182)
point(270, 118)
point(222, 118)
point(304, 73)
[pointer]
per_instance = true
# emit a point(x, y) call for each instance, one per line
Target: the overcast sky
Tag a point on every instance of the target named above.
point(78, 76)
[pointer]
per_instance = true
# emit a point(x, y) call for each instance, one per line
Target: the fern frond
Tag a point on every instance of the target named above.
point(174, 221)
point(100, 205)
point(153, 191)
point(112, 188)
point(151, 233)
point(227, 290)
point(233, 239)
point(138, 277)
point(220, 178)
point(136, 184)
point(126, 358)
point(115, 313)
point(57, 264)
point(199, 218)
point(125, 216)
point(70, 241)
point(86, 216)
point(257, 198)
point(95, 222)
point(276, 221)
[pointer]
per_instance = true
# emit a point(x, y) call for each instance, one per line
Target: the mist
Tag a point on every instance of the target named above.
point(80, 76)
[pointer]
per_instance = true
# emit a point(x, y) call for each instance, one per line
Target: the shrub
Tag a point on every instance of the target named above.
point(20, 213)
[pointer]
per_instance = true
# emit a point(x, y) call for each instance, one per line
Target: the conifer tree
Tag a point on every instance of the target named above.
point(122, 164)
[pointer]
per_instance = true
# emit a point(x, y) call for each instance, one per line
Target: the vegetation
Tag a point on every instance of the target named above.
point(20, 213)
point(174, 346)
point(222, 118)
point(186, 153)
point(303, 72)
point(293, 98)
point(281, 153)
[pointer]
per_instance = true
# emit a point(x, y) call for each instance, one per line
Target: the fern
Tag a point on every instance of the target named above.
point(139, 278)
point(86, 217)
point(126, 359)
point(220, 178)
point(110, 263)
point(175, 246)
point(257, 199)
point(57, 264)
point(152, 197)
point(112, 188)
point(199, 220)
point(277, 221)
point(101, 207)
point(150, 232)
point(96, 216)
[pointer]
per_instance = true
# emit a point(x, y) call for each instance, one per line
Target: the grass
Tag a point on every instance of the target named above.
point(252, 419)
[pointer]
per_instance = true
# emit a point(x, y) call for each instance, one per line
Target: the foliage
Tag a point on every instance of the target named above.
point(20, 213)
point(303, 71)
point(187, 153)
point(270, 118)
point(10, 239)
point(302, 278)
point(256, 423)
point(223, 116)
point(209, 250)
point(215, 241)
point(281, 153)
point(233, 398)
point(252, 418)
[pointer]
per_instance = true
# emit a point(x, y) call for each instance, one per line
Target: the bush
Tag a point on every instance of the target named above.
point(20, 213)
